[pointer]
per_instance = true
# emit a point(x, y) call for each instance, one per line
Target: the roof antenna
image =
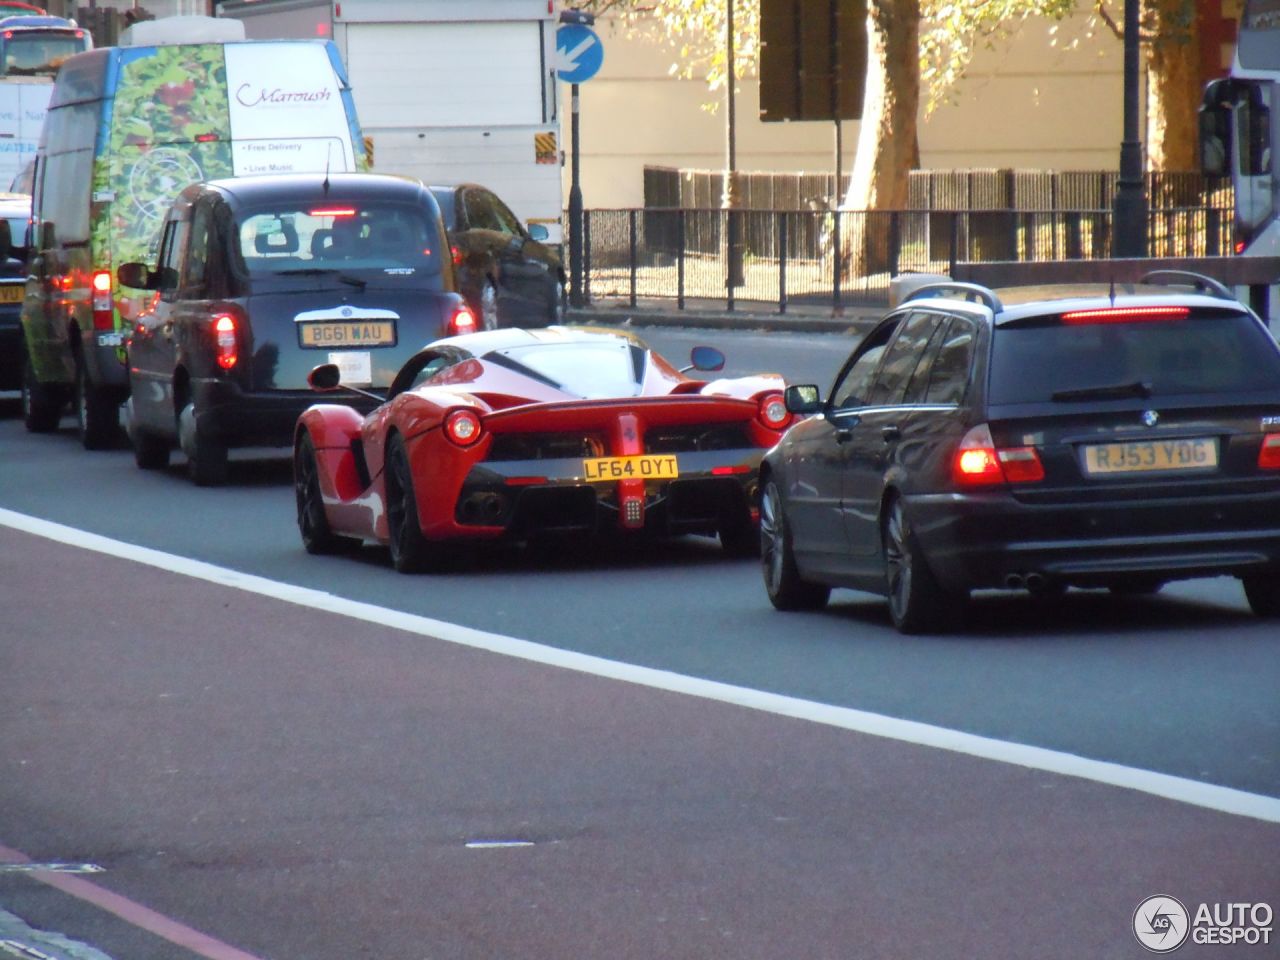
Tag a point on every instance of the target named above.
point(328, 156)
point(1113, 290)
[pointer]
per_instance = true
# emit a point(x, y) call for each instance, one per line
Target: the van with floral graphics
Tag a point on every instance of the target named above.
point(181, 100)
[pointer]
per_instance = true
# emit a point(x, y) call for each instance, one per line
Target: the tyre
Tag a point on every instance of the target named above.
point(313, 522)
point(787, 590)
point(488, 318)
point(1263, 593)
point(150, 452)
point(410, 551)
point(42, 403)
point(917, 602)
point(97, 413)
point(206, 455)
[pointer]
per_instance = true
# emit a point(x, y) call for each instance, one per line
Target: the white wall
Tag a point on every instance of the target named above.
point(1031, 105)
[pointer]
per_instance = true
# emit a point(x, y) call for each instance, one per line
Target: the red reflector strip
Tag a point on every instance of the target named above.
point(525, 481)
point(729, 471)
point(1126, 314)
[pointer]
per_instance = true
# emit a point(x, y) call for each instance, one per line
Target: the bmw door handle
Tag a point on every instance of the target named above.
point(891, 434)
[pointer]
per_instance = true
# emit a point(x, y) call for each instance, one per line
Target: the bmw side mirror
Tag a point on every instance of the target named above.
point(325, 378)
point(136, 275)
point(706, 359)
point(803, 398)
point(539, 232)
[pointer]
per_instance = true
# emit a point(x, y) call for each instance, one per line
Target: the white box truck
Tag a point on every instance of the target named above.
point(447, 91)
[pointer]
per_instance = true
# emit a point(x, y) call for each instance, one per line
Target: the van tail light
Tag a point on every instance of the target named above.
point(463, 427)
point(1269, 455)
point(104, 315)
point(462, 321)
point(979, 462)
point(226, 346)
point(772, 411)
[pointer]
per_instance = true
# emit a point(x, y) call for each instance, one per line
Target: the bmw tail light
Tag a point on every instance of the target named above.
point(979, 462)
point(1269, 455)
point(463, 427)
point(463, 321)
point(226, 347)
point(773, 412)
point(103, 309)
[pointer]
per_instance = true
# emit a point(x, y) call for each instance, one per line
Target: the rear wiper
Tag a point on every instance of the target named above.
point(323, 271)
point(353, 281)
point(1115, 391)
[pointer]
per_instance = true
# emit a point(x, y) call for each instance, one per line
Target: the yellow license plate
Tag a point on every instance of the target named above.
point(11, 293)
point(348, 333)
point(1150, 456)
point(630, 468)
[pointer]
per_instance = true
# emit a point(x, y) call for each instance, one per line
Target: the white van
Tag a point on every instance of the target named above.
point(128, 128)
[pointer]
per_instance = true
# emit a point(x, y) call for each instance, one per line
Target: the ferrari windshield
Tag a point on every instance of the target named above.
point(589, 370)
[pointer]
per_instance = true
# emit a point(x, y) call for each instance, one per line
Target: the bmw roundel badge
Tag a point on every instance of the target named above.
point(1150, 417)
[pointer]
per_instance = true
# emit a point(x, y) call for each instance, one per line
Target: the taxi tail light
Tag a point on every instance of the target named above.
point(462, 321)
point(772, 411)
point(979, 461)
point(103, 309)
point(1269, 455)
point(226, 345)
point(463, 427)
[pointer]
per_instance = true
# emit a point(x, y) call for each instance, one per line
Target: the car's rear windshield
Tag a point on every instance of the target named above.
point(1206, 353)
point(588, 370)
point(366, 240)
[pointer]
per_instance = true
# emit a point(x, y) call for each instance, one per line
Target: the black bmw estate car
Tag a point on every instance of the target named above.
point(1033, 439)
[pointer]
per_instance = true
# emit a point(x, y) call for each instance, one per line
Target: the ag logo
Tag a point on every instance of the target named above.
point(1161, 924)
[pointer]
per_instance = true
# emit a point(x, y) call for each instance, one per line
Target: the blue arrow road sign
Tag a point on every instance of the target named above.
point(579, 53)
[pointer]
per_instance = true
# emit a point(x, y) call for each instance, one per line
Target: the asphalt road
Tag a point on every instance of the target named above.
point(303, 784)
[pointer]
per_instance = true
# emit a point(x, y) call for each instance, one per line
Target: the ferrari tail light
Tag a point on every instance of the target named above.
point(462, 321)
point(979, 462)
point(463, 427)
point(1269, 455)
point(457, 256)
point(226, 347)
point(103, 309)
point(772, 411)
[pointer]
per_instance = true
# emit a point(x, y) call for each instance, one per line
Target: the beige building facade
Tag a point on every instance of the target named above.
point(1050, 99)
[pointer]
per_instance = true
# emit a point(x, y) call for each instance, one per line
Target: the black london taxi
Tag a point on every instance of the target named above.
point(261, 279)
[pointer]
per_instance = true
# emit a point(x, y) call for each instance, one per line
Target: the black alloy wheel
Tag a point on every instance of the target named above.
point(410, 551)
point(42, 403)
point(313, 523)
point(917, 602)
point(787, 590)
point(149, 451)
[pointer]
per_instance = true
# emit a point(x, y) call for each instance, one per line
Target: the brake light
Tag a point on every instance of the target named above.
point(731, 471)
point(464, 321)
point(103, 312)
point(463, 427)
point(457, 256)
point(1269, 455)
point(1126, 314)
point(1240, 245)
point(332, 212)
point(978, 461)
point(224, 337)
point(772, 411)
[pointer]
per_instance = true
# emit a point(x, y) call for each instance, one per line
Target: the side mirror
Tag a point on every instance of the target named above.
point(1214, 159)
point(706, 359)
point(6, 241)
point(539, 232)
point(804, 398)
point(136, 275)
point(325, 378)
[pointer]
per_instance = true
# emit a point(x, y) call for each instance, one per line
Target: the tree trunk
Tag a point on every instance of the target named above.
point(887, 146)
point(1173, 84)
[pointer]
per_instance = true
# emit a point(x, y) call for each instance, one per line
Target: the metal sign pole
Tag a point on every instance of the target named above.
point(576, 297)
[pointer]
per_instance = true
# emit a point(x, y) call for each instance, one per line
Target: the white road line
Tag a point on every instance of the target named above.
point(1193, 792)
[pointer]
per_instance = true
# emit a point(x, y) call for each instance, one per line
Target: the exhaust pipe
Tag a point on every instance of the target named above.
point(1014, 581)
point(1035, 582)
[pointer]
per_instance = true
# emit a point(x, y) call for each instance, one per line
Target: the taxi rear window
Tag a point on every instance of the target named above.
point(1206, 352)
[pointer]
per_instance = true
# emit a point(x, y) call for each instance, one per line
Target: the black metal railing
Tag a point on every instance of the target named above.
point(824, 256)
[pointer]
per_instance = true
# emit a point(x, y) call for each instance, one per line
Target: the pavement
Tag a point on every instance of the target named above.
point(806, 317)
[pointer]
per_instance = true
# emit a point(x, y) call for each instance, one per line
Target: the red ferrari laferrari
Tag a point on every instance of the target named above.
point(521, 433)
